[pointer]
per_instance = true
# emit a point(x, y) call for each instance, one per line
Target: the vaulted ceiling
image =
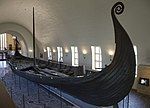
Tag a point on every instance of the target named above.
point(56, 19)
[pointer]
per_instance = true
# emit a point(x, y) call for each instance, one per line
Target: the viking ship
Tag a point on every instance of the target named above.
point(104, 88)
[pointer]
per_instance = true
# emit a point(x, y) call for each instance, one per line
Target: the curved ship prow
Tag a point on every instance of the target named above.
point(104, 88)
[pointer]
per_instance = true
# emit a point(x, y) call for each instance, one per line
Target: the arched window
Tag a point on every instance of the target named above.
point(3, 41)
point(135, 51)
point(74, 51)
point(60, 54)
point(49, 53)
point(96, 58)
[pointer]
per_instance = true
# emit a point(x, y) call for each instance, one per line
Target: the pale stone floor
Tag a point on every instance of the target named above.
point(25, 94)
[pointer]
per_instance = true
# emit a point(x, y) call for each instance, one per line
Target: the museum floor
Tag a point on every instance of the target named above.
point(27, 94)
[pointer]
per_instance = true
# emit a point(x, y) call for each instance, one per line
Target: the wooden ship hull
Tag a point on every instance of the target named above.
point(103, 88)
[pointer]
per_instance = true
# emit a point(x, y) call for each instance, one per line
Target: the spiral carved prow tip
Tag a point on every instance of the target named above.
point(118, 8)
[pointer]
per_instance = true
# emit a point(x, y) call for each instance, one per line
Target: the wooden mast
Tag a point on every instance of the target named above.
point(34, 39)
point(104, 88)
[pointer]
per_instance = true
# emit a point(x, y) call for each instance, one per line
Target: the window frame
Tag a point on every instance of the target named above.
point(96, 52)
point(3, 41)
point(60, 54)
point(136, 59)
point(49, 53)
point(75, 56)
